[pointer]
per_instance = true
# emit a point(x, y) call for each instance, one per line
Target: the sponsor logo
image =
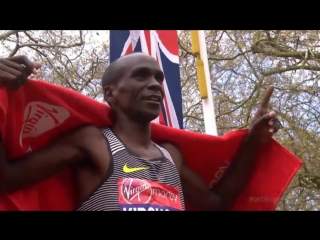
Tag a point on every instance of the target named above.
point(145, 195)
point(126, 169)
point(40, 117)
point(218, 175)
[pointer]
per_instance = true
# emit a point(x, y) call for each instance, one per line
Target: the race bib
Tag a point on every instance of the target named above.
point(145, 195)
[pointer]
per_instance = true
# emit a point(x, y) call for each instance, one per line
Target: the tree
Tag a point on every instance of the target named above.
point(73, 59)
point(242, 65)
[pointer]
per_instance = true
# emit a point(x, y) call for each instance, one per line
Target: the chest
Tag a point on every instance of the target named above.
point(136, 184)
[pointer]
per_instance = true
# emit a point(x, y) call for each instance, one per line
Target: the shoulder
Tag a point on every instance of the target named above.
point(81, 135)
point(87, 130)
point(175, 153)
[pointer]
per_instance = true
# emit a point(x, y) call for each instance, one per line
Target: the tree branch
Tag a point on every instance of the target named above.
point(7, 34)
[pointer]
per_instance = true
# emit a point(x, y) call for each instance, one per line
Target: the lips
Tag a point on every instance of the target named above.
point(153, 98)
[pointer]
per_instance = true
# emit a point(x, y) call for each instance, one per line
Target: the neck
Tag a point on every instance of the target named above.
point(131, 132)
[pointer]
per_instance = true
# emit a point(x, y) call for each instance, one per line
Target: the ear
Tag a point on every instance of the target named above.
point(109, 94)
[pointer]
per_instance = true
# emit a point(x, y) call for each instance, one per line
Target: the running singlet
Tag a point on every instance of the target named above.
point(136, 184)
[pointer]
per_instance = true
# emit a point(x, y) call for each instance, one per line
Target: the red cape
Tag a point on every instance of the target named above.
point(40, 111)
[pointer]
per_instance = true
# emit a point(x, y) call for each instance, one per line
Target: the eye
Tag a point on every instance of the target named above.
point(142, 74)
point(159, 77)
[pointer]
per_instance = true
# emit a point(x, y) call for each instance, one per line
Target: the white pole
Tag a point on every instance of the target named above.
point(207, 104)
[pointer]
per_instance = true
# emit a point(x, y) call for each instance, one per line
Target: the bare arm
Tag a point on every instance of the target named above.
point(225, 193)
point(69, 148)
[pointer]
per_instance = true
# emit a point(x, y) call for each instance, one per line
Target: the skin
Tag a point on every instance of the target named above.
point(85, 148)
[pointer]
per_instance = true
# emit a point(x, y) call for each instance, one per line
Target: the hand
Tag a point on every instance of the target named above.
point(264, 123)
point(14, 71)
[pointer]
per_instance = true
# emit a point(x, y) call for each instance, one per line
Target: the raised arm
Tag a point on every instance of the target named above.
point(74, 146)
point(82, 143)
point(224, 194)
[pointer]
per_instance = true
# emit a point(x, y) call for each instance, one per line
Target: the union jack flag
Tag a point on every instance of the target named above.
point(163, 46)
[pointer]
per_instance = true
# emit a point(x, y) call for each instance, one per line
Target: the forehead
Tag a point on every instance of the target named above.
point(134, 61)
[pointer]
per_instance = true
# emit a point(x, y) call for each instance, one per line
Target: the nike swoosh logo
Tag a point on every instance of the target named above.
point(126, 169)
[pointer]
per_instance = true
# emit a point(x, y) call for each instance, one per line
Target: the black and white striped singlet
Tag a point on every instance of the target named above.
point(136, 184)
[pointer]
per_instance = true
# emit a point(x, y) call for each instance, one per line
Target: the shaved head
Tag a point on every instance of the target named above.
point(117, 68)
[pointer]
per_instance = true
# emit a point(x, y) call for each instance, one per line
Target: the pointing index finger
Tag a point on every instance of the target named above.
point(266, 98)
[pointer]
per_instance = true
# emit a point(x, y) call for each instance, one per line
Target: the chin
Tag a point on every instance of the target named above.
point(148, 116)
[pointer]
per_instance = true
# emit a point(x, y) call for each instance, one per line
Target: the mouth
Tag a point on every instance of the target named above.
point(153, 98)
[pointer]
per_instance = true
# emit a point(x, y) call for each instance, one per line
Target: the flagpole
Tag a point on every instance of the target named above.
point(200, 49)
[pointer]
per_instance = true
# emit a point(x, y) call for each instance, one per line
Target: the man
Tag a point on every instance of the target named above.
point(120, 168)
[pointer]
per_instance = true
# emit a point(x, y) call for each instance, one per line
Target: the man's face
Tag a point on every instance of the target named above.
point(139, 91)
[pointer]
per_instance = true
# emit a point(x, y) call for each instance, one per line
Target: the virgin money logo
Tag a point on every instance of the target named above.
point(40, 117)
point(136, 191)
point(219, 173)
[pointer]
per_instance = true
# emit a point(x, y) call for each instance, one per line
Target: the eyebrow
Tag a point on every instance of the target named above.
point(146, 69)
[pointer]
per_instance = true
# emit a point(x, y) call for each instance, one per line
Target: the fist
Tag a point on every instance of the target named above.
point(14, 71)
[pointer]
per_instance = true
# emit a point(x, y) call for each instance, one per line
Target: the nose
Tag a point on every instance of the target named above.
point(155, 85)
